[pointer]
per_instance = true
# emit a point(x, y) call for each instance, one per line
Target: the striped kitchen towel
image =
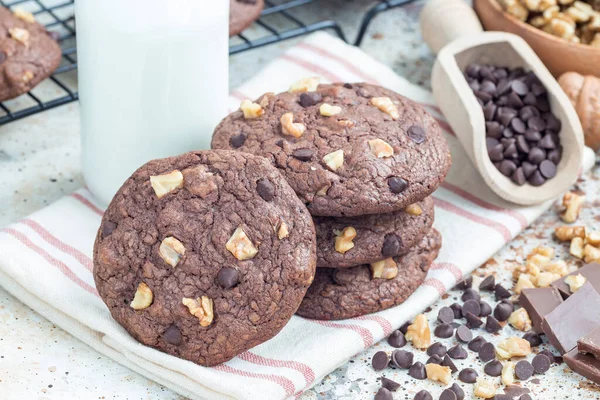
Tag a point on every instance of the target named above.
point(45, 259)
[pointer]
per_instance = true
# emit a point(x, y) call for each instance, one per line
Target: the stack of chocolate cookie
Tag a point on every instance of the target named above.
point(364, 160)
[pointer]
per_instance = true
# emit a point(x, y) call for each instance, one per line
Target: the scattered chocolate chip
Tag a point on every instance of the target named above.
point(445, 315)
point(460, 394)
point(389, 384)
point(551, 357)
point(463, 334)
point(303, 154)
point(541, 363)
point(457, 308)
point(468, 375)
point(485, 309)
point(265, 189)
point(172, 335)
point(457, 352)
point(380, 361)
point(472, 320)
point(500, 292)
point(487, 352)
point(502, 397)
point(443, 331)
point(107, 228)
point(493, 368)
point(417, 371)
point(402, 359)
point(236, 141)
point(488, 283)
point(465, 283)
point(434, 359)
point(384, 394)
point(533, 338)
point(471, 306)
point(448, 394)
point(417, 134)
point(470, 294)
point(423, 395)
point(492, 325)
point(228, 277)
point(310, 99)
point(348, 85)
point(523, 370)
point(404, 327)
point(502, 311)
point(391, 245)
point(397, 184)
point(396, 339)
point(436, 348)
point(475, 344)
point(447, 362)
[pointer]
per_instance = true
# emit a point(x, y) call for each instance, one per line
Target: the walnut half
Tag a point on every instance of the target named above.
point(201, 308)
point(419, 333)
point(143, 297)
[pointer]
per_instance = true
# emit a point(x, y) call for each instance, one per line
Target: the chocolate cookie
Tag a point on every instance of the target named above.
point(346, 149)
point(28, 54)
point(352, 241)
point(350, 292)
point(242, 13)
point(204, 255)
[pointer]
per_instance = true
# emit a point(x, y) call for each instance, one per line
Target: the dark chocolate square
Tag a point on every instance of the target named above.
point(584, 364)
point(590, 343)
point(590, 271)
point(538, 303)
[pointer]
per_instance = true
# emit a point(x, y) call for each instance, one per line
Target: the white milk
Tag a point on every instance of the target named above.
point(153, 77)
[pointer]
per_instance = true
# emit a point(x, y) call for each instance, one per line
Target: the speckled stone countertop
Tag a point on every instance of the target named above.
point(39, 163)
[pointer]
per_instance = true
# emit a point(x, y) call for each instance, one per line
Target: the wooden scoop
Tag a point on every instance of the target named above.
point(451, 27)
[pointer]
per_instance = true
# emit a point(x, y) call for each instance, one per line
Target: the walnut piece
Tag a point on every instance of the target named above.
point(564, 233)
point(576, 247)
point(414, 209)
point(166, 183)
point(572, 203)
point(525, 281)
point(344, 240)
point(557, 267)
point(513, 347)
point(591, 254)
point(515, 8)
point(283, 231)
point(251, 110)
point(386, 105)
point(346, 123)
point(20, 35)
point(438, 373)
point(380, 148)
point(419, 333)
point(593, 238)
point(546, 278)
point(575, 282)
point(305, 85)
point(201, 308)
point(289, 127)
point(327, 110)
point(23, 15)
point(508, 373)
point(240, 246)
point(484, 388)
point(543, 251)
point(171, 250)
point(520, 320)
point(143, 297)
point(334, 160)
point(386, 269)
point(27, 76)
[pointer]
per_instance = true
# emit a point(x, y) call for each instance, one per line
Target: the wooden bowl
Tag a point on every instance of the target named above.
point(558, 54)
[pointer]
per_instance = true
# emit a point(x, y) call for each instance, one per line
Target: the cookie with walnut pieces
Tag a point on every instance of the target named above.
point(346, 149)
point(28, 54)
point(204, 255)
point(350, 292)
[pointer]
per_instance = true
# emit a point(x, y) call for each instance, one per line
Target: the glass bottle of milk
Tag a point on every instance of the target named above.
point(153, 82)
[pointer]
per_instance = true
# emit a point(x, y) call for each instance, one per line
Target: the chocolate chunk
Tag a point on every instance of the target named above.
point(523, 370)
point(541, 363)
point(538, 302)
point(265, 189)
point(384, 394)
point(380, 361)
point(445, 315)
point(416, 134)
point(590, 343)
point(303, 154)
point(172, 335)
point(389, 384)
point(228, 277)
point(591, 272)
point(237, 141)
point(436, 348)
point(464, 284)
point(391, 245)
point(423, 395)
point(533, 338)
point(417, 371)
point(457, 308)
point(488, 283)
point(518, 176)
point(583, 364)
point(468, 375)
point(502, 311)
point(500, 292)
point(402, 359)
point(107, 228)
point(470, 294)
point(397, 184)
point(573, 318)
point(475, 344)
point(434, 359)
point(310, 99)
point(460, 394)
point(404, 327)
point(457, 352)
point(443, 331)
point(487, 352)
point(447, 362)
point(472, 320)
point(492, 325)
point(463, 334)
point(396, 339)
point(493, 368)
point(485, 309)
point(448, 394)
point(471, 306)
point(548, 169)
